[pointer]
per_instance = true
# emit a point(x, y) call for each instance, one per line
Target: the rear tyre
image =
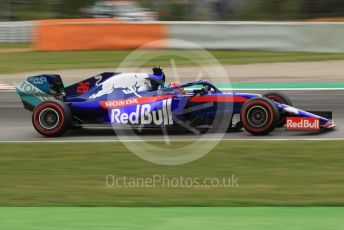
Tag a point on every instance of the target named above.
point(259, 116)
point(51, 118)
point(280, 98)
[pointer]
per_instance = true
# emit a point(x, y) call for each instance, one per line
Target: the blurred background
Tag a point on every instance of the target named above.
point(176, 10)
point(269, 25)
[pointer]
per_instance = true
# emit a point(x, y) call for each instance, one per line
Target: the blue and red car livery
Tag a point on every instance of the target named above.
point(142, 100)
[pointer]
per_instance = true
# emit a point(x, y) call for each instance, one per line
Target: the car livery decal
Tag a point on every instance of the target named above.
point(111, 104)
point(129, 83)
point(83, 87)
point(303, 123)
point(158, 113)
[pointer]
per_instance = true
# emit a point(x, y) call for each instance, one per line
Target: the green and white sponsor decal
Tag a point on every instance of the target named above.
point(31, 94)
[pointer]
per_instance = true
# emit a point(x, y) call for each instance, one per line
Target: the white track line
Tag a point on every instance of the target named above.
point(176, 140)
point(282, 89)
point(7, 88)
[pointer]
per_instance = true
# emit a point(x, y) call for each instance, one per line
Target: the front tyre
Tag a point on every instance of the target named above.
point(51, 118)
point(280, 98)
point(259, 116)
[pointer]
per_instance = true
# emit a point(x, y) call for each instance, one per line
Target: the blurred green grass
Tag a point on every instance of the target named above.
point(271, 173)
point(12, 62)
point(5, 45)
point(257, 218)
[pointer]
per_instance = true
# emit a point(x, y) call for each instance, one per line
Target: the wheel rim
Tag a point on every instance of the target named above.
point(48, 118)
point(257, 116)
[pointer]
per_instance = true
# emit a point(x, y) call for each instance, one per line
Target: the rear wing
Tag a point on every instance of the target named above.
point(37, 89)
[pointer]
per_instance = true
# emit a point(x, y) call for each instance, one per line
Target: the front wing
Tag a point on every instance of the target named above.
point(324, 122)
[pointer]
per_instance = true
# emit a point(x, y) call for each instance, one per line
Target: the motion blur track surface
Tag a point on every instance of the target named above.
point(16, 122)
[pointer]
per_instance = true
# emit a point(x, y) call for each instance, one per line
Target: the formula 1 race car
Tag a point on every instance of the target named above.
point(144, 100)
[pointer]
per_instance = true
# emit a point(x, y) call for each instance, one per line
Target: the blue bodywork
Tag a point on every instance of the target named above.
point(122, 99)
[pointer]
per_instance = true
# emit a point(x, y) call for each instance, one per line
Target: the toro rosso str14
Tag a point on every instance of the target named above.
point(144, 100)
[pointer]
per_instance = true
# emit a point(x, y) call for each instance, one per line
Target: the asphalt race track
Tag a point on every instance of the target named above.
point(16, 122)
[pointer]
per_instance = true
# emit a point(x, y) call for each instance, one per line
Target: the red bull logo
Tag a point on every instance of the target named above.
point(144, 115)
point(302, 124)
point(129, 83)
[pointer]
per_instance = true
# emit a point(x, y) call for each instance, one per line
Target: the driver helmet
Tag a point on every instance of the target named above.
point(157, 79)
